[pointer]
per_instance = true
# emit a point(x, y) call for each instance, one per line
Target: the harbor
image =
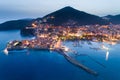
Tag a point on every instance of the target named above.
point(53, 41)
point(79, 52)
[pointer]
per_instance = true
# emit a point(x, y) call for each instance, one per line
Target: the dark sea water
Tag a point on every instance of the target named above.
point(45, 65)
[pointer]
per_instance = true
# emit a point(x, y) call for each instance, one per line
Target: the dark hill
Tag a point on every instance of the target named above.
point(15, 24)
point(73, 16)
point(114, 19)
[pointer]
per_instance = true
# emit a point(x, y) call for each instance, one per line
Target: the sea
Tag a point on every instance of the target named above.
point(50, 65)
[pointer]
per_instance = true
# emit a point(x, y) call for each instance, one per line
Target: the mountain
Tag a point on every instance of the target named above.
point(70, 15)
point(65, 16)
point(114, 19)
point(16, 24)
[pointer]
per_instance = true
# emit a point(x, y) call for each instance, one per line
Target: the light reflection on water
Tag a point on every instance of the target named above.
point(91, 45)
point(45, 65)
point(107, 55)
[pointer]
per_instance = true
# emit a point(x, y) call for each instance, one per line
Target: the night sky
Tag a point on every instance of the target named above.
point(19, 9)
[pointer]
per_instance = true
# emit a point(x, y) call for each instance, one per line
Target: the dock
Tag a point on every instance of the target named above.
point(76, 63)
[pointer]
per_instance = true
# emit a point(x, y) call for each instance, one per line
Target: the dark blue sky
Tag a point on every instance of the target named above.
point(18, 9)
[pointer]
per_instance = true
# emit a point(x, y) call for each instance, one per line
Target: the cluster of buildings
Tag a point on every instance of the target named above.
point(40, 43)
point(101, 33)
point(49, 36)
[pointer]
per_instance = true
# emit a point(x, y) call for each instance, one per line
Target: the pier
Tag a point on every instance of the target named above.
point(76, 63)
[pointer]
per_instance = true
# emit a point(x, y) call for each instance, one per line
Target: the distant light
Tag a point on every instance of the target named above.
point(34, 25)
point(5, 51)
point(104, 47)
point(66, 49)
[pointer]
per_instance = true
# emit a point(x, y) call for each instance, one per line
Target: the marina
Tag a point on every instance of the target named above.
point(52, 41)
point(49, 58)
